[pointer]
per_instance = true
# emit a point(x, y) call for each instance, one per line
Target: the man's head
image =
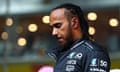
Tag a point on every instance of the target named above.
point(68, 24)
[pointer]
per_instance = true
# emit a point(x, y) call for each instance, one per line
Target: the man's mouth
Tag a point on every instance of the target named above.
point(60, 39)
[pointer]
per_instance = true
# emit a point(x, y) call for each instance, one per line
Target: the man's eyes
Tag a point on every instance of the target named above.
point(58, 25)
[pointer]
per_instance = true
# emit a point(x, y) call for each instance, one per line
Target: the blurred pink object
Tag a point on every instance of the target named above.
point(46, 69)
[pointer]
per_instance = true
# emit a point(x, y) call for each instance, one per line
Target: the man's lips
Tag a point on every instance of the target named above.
point(60, 39)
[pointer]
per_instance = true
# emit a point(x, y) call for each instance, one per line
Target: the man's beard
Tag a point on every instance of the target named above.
point(67, 45)
point(69, 42)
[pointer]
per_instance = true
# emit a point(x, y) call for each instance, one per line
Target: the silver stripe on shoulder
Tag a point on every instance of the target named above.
point(88, 45)
point(53, 56)
point(76, 45)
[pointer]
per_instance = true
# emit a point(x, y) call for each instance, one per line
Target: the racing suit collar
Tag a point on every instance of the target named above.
point(54, 52)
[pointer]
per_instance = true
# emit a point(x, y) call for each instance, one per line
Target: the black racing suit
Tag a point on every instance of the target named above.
point(83, 56)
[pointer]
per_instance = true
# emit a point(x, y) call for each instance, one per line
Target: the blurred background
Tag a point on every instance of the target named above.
point(25, 33)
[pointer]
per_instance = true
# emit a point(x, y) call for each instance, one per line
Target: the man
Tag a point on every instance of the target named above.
point(76, 53)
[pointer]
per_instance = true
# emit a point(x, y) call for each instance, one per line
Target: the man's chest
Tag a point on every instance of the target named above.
point(69, 62)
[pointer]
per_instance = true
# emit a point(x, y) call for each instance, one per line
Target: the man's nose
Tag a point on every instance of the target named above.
point(54, 32)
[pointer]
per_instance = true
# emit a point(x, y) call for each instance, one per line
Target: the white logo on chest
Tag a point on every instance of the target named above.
point(75, 55)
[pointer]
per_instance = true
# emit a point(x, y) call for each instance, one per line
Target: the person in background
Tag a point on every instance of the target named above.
point(77, 52)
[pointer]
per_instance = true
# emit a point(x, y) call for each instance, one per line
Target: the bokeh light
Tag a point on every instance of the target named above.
point(45, 19)
point(22, 41)
point(19, 29)
point(113, 22)
point(92, 30)
point(4, 35)
point(92, 16)
point(9, 21)
point(32, 27)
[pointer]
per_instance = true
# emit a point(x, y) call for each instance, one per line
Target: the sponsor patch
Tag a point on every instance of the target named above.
point(97, 70)
point(94, 62)
point(73, 62)
point(103, 63)
point(70, 68)
point(75, 55)
point(78, 56)
point(71, 55)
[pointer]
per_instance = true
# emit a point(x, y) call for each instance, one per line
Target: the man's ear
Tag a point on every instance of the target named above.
point(74, 22)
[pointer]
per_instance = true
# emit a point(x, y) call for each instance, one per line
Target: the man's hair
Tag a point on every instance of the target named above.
point(76, 10)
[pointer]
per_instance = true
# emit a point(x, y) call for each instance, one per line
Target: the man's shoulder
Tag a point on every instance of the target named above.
point(89, 46)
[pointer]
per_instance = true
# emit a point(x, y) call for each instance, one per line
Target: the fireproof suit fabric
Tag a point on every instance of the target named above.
point(83, 56)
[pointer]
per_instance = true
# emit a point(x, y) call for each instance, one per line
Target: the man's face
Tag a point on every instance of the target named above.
point(61, 27)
